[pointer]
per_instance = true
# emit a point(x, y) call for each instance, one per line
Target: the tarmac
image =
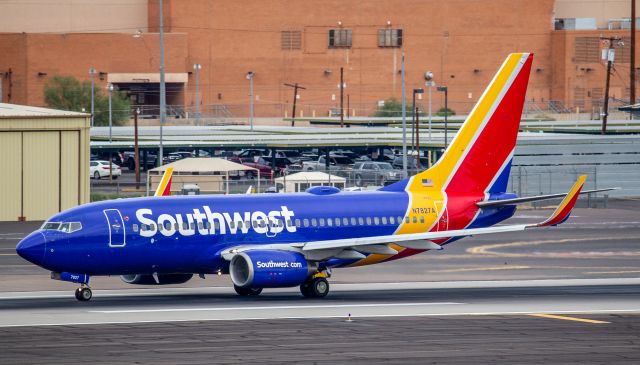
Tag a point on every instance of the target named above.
point(567, 294)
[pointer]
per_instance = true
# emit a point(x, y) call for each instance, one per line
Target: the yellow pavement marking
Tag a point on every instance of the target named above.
point(493, 249)
point(568, 318)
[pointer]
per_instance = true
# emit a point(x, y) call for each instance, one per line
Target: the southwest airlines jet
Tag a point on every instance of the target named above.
point(287, 240)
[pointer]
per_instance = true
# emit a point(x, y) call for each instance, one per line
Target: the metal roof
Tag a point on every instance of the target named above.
point(27, 111)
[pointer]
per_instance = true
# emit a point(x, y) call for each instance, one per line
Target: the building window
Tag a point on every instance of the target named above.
point(389, 37)
point(290, 40)
point(339, 38)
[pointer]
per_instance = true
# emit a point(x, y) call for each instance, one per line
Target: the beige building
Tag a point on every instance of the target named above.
point(45, 161)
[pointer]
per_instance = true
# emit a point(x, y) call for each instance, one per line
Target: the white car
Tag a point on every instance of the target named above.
point(99, 169)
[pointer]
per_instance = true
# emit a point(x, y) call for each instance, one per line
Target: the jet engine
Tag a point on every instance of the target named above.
point(269, 269)
point(164, 279)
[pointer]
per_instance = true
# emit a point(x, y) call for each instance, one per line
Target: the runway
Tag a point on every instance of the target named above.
point(569, 294)
point(544, 321)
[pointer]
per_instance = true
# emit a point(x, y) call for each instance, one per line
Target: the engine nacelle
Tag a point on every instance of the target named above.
point(269, 269)
point(164, 279)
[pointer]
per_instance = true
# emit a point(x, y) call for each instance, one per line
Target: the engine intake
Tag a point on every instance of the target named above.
point(269, 269)
point(164, 279)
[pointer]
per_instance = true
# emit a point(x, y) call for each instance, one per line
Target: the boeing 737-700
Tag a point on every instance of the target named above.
point(288, 240)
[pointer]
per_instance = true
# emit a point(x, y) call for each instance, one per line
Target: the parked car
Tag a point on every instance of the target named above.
point(257, 163)
point(411, 164)
point(375, 173)
point(128, 159)
point(100, 168)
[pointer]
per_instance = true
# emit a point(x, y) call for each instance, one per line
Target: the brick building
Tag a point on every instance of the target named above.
point(462, 42)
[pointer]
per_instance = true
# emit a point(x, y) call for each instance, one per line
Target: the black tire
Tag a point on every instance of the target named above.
point(250, 176)
point(305, 289)
point(114, 177)
point(247, 291)
point(96, 175)
point(319, 287)
point(358, 180)
point(84, 294)
point(131, 164)
point(383, 181)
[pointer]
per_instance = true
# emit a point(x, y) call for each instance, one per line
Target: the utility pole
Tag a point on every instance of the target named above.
point(92, 73)
point(136, 150)
point(415, 110)
point(163, 90)
point(249, 76)
point(404, 120)
point(632, 68)
point(295, 98)
point(609, 55)
point(341, 97)
point(110, 88)
point(196, 68)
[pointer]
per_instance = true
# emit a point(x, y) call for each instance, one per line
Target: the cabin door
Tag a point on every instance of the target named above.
point(116, 228)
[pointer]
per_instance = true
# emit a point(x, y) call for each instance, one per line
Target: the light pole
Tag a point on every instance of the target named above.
point(196, 69)
point(428, 77)
point(413, 117)
point(446, 112)
point(92, 73)
point(110, 88)
point(250, 75)
point(163, 90)
point(404, 121)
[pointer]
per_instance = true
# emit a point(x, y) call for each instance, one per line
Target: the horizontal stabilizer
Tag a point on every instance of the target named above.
point(514, 201)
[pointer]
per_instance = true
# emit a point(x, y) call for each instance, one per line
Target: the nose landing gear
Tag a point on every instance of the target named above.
point(83, 294)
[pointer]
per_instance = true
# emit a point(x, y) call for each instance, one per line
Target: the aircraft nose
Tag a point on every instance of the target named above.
point(32, 248)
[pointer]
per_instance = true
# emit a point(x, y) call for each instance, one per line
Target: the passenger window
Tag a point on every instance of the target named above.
point(175, 226)
point(261, 224)
point(255, 224)
point(353, 221)
point(330, 222)
point(192, 225)
point(421, 219)
point(368, 221)
point(298, 223)
point(337, 222)
point(376, 220)
point(232, 225)
point(314, 222)
point(281, 223)
point(361, 221)
point(306, 222)
point(289, 223)
point(406, 219)
point(208, 225)
point(216, 224)
point(200, 226)
point(135, 227)
point(160, 227)
point(384, 220)
point(392, 220)
point(415, 219)
point(185, 225)
point(321, 222)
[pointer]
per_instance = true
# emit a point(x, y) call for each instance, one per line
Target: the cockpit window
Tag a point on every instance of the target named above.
point(51, 225)
point(66, 227)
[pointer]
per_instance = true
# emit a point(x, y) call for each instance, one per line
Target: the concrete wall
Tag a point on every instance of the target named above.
point(63, 16)
point(45, 168)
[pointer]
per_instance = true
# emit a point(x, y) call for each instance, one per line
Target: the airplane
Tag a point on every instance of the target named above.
point(288, 240)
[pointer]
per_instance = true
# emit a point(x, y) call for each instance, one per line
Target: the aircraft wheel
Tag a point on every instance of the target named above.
point(305, 289)
point(83, 294)
point(247, 291)
point(319, 287)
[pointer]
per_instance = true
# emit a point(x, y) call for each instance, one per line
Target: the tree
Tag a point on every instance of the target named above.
point(449, 112)
point(67, 93)
point(393, 108)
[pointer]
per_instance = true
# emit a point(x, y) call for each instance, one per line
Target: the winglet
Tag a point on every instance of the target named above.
point(164, 188)
point(563, 210)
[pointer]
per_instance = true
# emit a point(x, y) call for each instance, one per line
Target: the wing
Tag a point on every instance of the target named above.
point(351, 248)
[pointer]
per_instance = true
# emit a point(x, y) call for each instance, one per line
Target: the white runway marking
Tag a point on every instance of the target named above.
point(275, 307)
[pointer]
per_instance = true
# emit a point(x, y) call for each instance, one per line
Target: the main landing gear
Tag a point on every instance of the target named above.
point(315, 287)
point(83, 294)
point(247, 291)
